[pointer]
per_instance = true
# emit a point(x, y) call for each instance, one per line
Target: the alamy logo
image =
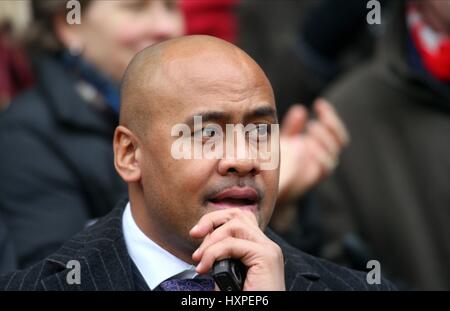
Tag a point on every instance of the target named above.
point(374, 15)
point(374, 275)
point(252, 141)
point(74, 14)
point(74, 275)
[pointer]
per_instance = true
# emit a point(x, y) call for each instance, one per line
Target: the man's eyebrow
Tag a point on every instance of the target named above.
point(209, 116)
point(264, 111)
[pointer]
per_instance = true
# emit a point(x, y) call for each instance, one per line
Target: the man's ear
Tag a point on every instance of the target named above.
point(126, 154)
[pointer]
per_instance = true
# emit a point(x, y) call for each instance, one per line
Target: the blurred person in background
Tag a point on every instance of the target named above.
point(56, 162)
point(15, 77)
point(391, 189)
point(15, 69)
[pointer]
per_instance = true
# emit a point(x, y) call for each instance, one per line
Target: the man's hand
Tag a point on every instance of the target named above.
point(309, 148)
point(234, 233)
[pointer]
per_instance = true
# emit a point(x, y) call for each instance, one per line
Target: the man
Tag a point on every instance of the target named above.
point(185, 214)
point(391, 187)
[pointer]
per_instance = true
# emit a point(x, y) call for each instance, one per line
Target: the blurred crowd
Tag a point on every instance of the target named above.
point(364, 110)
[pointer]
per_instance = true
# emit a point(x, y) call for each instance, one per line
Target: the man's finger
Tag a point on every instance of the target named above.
point(212, 220)
point(233, 228)
point(322, 134)
point(228, 248)
point(324, 159)
point(294, 121)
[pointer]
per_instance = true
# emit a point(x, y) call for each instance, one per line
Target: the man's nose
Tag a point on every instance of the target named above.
point(242, 159)
point(240, 167)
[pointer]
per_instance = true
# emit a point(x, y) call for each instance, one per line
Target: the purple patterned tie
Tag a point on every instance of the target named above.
point(188, 285)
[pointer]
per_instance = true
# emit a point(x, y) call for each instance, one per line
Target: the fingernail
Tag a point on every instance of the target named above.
point(199, 267)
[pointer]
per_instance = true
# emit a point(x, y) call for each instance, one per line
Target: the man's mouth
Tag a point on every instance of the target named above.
point(236, 197)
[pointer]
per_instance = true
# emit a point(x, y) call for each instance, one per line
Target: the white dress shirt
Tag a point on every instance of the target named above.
point(154, 263)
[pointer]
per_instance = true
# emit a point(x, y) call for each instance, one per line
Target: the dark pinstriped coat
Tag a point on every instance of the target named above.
point(105, 265)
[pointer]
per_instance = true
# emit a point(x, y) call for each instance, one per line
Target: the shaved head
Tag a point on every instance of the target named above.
point(155, 72)
point(172, 83)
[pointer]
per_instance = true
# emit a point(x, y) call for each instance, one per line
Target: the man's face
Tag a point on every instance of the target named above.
point(178, 192)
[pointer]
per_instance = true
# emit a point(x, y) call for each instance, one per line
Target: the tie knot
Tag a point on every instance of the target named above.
point(200, 284)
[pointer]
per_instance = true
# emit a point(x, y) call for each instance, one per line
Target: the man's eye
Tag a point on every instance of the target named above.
point(209, 132)
point(259, 133)
point(263, 129)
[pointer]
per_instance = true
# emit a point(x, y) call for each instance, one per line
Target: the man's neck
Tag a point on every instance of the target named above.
point(166, 240)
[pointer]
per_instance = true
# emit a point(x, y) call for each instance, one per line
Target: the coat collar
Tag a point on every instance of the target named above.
point(66, 103)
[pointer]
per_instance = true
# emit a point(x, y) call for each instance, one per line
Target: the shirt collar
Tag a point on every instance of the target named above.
point(154, 263)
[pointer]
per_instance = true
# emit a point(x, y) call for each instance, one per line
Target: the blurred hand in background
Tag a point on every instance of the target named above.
point(310, 148)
